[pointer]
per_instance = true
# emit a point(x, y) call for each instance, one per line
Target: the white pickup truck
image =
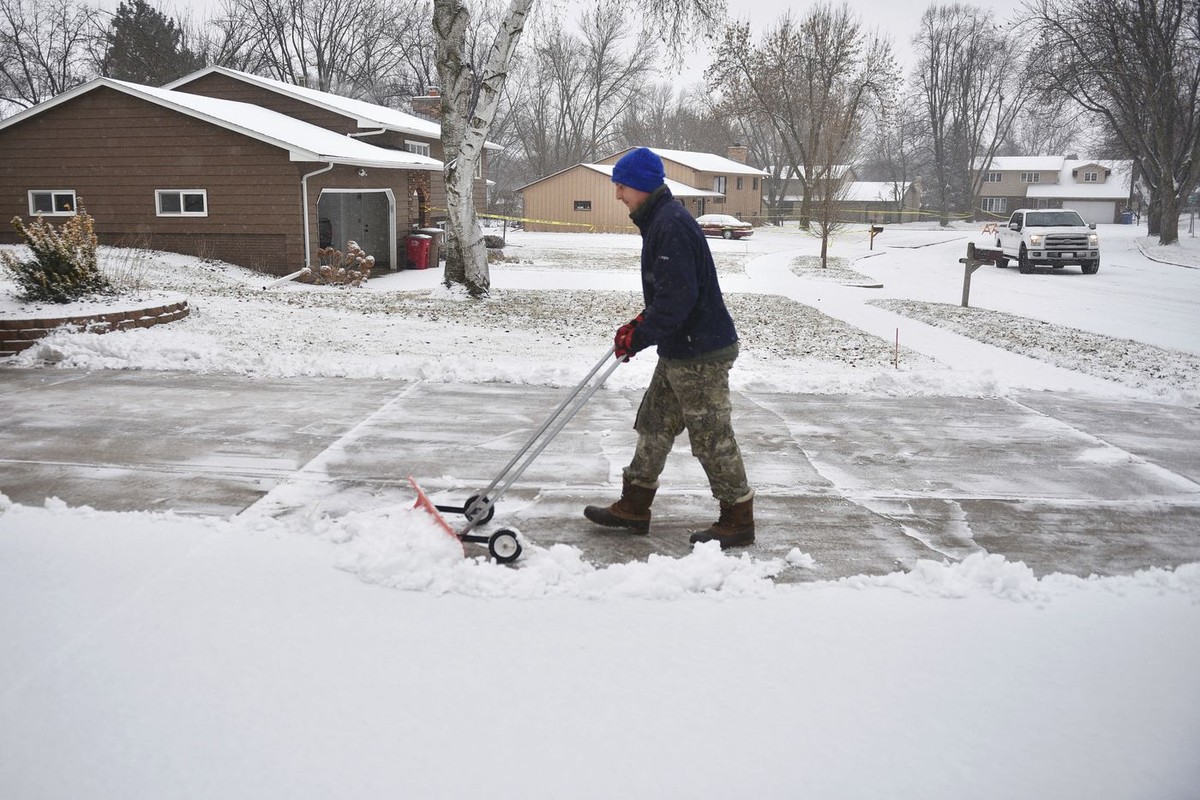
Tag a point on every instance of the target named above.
point(1053, 237)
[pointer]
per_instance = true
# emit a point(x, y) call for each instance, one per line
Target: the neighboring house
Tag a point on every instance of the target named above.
point(582, 197)
point(225, 165)
point(787, 187)
point(878, 202)
point(1098, 189)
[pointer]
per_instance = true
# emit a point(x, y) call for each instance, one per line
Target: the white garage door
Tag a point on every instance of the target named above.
point(1098, 211)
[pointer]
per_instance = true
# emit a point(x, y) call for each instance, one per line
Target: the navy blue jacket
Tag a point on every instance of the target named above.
point(685, 314)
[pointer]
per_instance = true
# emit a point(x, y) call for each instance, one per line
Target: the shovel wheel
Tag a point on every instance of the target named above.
point(504, 546)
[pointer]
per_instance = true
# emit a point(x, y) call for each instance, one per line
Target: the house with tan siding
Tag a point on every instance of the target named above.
point(226, 165)
point(1099, 189)
point(582, 197)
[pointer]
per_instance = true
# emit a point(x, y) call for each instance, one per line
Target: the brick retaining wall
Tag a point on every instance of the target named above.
point(18, 334)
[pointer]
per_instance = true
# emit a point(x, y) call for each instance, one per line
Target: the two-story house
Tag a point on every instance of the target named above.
point(1098, 189)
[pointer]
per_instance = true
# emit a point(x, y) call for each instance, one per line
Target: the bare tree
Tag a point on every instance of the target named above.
point(1060, 126)
point(834, 154)
point(470, 100)
point(814, 80)
point(576, 88)
point(473, 90)
point(897, 147)
point(1136, 63)
point(45, 48)
point(973, 86)
point(349, 46)
point(223, 40)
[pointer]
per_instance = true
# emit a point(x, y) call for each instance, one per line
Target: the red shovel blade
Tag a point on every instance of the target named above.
point(431, 509)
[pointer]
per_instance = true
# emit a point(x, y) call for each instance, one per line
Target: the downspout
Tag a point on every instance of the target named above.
point(304, 206)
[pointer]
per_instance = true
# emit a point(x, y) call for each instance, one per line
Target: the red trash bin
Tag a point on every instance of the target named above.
point(417, 252)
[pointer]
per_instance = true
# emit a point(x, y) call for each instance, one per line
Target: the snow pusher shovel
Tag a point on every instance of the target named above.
point(479, 509)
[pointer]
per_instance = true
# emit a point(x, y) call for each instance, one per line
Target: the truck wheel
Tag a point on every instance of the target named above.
point(1023, 261)
point(1001, 262)
point(1090, 267)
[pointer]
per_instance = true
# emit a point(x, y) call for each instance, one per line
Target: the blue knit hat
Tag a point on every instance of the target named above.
point(640, 169)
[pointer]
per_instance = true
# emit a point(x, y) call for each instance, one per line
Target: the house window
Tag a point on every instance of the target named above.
point(420, 148)
point(719, 184)
point(583, 205)
point(995, 205)
point(754, 184)
point(182, 202)
point(739, 183)
point(52, 202)
point(1091, 177)
point(1031, 177)
point(479, 168)
point(992, 177)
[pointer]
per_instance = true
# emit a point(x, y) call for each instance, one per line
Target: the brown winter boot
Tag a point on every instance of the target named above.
point(735, 528)
point(632, 511)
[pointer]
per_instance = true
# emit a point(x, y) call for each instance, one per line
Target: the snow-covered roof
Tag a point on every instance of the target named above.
point(1023, 163)
point(302, 140)
point(367, 115)
point(865, 192)
point(875, 192)
point(789, 173)
point(678, 189)
point(1070, 186)
point(705, 162)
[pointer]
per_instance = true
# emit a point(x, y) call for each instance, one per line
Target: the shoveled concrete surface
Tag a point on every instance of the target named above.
point(863, 484)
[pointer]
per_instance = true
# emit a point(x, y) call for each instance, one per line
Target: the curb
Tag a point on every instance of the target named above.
point(19, 334)
point(1142, 250)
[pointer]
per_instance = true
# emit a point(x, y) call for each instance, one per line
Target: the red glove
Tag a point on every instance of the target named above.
point(623, 344)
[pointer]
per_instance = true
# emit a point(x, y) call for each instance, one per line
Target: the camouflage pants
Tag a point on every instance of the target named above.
point(694, 397)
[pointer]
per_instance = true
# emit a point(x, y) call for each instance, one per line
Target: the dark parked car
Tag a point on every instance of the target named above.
point(725, 226)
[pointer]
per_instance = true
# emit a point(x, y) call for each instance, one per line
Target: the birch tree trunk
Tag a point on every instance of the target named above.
point(469, 101)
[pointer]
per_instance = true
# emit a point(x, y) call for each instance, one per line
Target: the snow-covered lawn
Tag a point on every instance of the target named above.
point(158, 655)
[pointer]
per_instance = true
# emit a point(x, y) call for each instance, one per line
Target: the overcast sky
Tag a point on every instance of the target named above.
point(897, 19)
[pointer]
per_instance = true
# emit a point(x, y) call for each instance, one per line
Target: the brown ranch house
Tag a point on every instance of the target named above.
point(582, 198)
point(226, 165)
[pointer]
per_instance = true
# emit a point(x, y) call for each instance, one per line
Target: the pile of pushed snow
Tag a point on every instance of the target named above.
point(404, 548)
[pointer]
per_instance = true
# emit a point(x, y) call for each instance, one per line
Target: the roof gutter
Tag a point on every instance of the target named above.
point(304, 206)
point(367, 133)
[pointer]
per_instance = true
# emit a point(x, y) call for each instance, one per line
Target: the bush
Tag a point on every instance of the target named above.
point(336, 268)
point(63, 268)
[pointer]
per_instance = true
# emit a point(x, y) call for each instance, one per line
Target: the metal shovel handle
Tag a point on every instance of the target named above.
point(477, 511)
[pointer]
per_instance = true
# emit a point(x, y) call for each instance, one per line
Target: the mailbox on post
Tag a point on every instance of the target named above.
point(875, 230)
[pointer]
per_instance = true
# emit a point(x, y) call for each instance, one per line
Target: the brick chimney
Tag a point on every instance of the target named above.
point(430, 105)
point(738, 152)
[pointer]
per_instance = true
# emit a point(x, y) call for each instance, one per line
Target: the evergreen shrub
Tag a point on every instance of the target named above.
point(64, 267)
